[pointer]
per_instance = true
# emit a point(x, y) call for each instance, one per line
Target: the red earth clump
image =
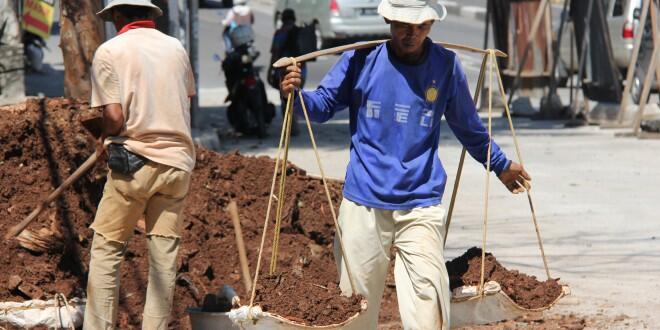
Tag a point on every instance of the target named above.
point(525, 290)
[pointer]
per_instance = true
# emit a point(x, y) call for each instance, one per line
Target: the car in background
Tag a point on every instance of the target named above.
point(623, 18)
point(337, 20)
point(623, 21)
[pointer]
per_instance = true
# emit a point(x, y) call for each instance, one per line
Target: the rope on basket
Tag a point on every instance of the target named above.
point(283, 148)
point(491, 55)
point(270, 200)
point(488, 160)
point(61, 301)
point(461, 162)
point(288, 122)
point(520, 160)
point(327, 192)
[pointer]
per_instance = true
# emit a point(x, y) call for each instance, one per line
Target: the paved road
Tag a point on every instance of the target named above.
point(453, 29)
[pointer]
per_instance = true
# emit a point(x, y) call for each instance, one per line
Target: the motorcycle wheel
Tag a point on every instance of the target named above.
point(257, 109)
point(236, 114)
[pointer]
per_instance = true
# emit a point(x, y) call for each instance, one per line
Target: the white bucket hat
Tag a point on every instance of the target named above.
point(105, 13)
point(412, 11)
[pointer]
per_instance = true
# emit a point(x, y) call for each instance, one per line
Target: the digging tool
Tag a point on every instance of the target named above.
point(286, 61)
point(233, 212)
point(86, 166)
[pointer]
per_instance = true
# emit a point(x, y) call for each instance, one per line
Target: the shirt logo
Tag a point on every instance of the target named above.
point(402, 112)
point(427, 118)
point(373, 109)
point(431, 94)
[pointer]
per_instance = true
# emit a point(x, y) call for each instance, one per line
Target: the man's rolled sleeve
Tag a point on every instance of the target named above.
point(105, 83)
point(333, 93)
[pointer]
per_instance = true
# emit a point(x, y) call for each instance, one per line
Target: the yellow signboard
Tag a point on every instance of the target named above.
point(38, 17)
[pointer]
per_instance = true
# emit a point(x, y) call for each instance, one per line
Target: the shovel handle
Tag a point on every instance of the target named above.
point(242, 255)
point(86, 166)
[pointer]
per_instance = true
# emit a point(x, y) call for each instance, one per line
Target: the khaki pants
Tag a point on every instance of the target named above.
point(157, 192)
point(420, 274)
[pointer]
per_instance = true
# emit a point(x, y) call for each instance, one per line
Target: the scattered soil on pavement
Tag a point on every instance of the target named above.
point(554, 322)
point(525, 290)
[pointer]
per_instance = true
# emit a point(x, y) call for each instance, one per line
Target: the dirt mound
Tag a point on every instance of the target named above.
point(43, 142)
point(525, 290)
point(306, 301)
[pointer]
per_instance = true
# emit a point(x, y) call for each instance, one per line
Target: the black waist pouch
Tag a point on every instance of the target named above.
point(123, 161)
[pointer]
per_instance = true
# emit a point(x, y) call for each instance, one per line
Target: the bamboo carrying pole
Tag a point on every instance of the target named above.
point(242, 255)
point(493, 68)
point(286, 61)
point(86, 166)
point(459, 171)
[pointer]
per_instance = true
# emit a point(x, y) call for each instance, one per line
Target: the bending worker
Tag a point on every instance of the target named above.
point(143, 80)
point(396, 94)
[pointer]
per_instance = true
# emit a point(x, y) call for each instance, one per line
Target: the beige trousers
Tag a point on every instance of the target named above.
point(156, 192)
point(420, 274)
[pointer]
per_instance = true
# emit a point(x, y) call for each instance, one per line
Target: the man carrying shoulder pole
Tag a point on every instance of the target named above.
point(396, 94)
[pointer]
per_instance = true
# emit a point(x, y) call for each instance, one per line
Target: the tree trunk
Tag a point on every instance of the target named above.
point(81, 33)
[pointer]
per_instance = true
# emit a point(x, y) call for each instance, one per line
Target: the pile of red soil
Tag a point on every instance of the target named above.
point(296, 296)
point(525, 290)
point(43, 142)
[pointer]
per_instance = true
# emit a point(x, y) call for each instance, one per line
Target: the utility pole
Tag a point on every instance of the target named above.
point(81, 33)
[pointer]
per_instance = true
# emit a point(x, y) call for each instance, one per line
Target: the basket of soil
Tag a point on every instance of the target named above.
point(483, 291)
point(306, 295)
point(507, 294)
point(288, 301)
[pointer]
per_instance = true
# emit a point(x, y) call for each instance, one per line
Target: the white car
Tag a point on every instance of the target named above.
point(337, 20)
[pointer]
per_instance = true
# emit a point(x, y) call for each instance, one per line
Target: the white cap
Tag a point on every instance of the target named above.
point(105, 13)
point(412, 11)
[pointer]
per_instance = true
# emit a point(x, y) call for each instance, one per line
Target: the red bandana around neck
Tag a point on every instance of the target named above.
point(137, 25)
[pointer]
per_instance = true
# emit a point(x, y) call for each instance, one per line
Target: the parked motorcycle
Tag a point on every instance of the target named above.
point(249, 112)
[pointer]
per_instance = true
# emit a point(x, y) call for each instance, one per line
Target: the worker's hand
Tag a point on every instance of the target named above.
point(515, 178)
point(292, 80)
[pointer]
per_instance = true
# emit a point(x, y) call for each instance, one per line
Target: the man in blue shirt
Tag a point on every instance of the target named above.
point(396, 94)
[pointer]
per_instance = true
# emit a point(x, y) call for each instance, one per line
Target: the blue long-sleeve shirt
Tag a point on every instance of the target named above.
point(395, 115)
